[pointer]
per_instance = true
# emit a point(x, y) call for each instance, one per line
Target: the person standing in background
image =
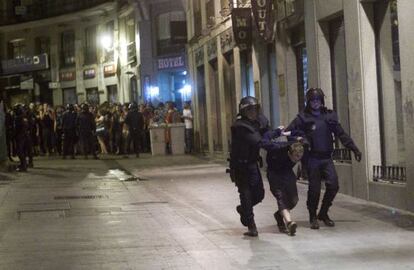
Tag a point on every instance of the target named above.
point(189, 133)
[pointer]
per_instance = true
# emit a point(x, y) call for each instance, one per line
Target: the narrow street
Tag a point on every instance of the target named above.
point(178, 212)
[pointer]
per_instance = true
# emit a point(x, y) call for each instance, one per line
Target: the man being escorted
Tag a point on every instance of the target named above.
point(319, 124)
point(244, 171)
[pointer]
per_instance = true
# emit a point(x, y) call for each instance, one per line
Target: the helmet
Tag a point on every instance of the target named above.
point(85, 107)
point(246, 103)
point(70, 107)
point(313, 93)
point(133, 106)
point(18, 109)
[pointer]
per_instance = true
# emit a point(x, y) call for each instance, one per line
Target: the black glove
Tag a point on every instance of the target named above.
point(357, 155)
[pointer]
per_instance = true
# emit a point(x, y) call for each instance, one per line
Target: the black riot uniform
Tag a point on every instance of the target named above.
point(135, 122)
point(69, 120)
point(22, 127)
point(86, 130)
point(10, 138)
point(318, 125)
point(244, 170)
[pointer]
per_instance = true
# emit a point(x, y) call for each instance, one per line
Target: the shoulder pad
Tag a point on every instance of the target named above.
point(244, 125)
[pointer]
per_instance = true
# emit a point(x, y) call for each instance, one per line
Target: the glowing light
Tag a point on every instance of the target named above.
point(186, 90)
point(184, 72)
point(106, 42)
point(154, 91)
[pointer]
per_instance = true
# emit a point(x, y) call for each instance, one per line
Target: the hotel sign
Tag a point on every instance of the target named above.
point(171, 62)
point(242, 27)
point(25, 64)
point(262, 11)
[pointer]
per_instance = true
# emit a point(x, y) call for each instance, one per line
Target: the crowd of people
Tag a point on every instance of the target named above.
point(67, 131)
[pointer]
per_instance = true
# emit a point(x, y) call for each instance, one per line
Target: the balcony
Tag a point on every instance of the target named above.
point(42, 9)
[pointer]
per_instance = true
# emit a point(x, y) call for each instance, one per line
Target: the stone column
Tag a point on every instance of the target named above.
point(210, 124)
point(237, 74)
point(406, 32)
point(362, 93)
point(222, 98)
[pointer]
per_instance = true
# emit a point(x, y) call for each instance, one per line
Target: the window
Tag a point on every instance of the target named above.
point(92, 96)
point(210, 13)
point(17, 49)
point(68, 48)
point(171, 32)
point(109, 51)
point(90, 45)
point(42, 45)
point(389, 83)
point(197, 18)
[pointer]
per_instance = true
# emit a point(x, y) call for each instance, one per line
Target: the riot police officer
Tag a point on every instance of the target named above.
point(69, 120)
point(319, 124)
point(244, 170)
point(22, 127)
point(135, 122)
point(86, 129)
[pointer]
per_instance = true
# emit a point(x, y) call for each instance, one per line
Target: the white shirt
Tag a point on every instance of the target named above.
point(188, 120)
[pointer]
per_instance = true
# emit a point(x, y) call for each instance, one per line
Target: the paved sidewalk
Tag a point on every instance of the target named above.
point(178, 213)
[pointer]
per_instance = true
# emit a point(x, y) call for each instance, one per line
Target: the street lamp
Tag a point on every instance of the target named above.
point(106, 42)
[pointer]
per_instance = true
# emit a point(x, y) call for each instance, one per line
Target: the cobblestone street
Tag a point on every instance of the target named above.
point(178, 212)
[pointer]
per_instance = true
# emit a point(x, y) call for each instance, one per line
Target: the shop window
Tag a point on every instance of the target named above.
point(90, 45)
point(389, 83)
point(68, 48)
point(302, 74)
point(92, 96)
point(112, 92)
point(17, 49)
point(69, 96)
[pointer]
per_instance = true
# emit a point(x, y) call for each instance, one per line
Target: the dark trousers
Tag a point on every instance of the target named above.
point(59, 133)
point(69, 140)
point(319, 170)
point(251, 192)
point(117, 141)
point(135, 138)
point(88, 143)
point(47, 135)
point(189, 140)
point(283, 187)
point(24, 151)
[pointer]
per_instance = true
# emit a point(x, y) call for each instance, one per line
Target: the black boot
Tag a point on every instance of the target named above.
point(291, 226)
point(323, 216)
point(280, 223)
point(240, 211)
point(252, 230)
point(313, 220)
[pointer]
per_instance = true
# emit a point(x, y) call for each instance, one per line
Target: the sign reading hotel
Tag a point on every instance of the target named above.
point(242, 27)
point(171, 62)
point(262, 11)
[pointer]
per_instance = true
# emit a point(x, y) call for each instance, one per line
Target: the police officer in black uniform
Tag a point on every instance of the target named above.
point(319, 124)
point(135, 122)
point(246, 134)
point(86, 130)
point(69, 120)
point(10, 138)
point(22, 127)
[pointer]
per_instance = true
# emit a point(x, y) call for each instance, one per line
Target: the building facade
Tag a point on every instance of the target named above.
point(62, 52)
point(357, 51)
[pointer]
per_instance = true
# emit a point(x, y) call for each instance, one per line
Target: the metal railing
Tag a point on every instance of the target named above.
point(342, 155)
point(389, 174)
point(47, 8)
